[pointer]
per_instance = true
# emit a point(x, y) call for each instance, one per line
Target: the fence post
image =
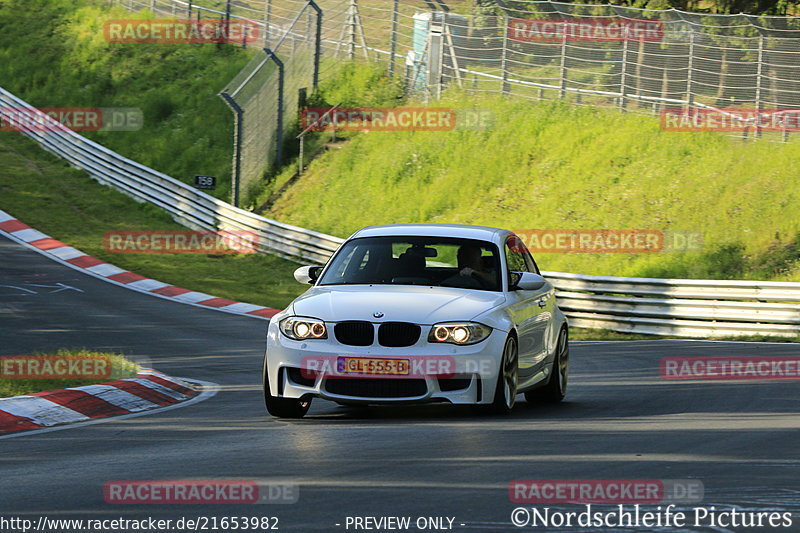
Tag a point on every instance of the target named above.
point(301, 166)
point(435, 58)
point(281, 82)
point(267, 23)
point(317, 43)
point(153, 6)
point(759, 78)
point(393, 48)
point(563, 90)
point(623, 75)
point(351, 54)
point(689, 95)
point(227, 12)
point(238, 131)
point(504, 58)
point(189, 10)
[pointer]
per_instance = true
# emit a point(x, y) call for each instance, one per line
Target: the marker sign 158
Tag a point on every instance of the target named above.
point(205, 182)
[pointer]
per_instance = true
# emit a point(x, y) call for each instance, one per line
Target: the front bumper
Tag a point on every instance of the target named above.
point(472, 380)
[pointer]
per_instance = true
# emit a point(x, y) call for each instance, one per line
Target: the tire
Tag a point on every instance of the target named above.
point(505, 392)
point(556, 388)
point(284, 407)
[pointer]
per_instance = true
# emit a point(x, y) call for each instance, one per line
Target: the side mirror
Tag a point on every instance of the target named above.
point(526, 281)
point(307, 274)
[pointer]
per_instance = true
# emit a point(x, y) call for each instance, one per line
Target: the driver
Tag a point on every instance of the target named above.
point(470, 265)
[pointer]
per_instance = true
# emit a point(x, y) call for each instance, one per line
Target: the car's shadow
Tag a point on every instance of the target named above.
point(439, 412)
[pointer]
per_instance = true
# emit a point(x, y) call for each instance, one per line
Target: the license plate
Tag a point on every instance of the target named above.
point(365, 365)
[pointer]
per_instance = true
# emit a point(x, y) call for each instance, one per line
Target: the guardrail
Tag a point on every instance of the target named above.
point(679, 307)
point(187, 205)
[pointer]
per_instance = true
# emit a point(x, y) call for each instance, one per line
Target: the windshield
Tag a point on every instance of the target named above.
point(431, 261)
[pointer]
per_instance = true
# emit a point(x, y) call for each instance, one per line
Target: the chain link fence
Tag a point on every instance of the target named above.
point(265, 95)
point(538, 49)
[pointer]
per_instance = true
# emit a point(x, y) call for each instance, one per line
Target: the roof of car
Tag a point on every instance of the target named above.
point(433, 230)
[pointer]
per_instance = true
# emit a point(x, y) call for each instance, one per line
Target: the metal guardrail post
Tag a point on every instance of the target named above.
point(393, 47)
point(238, 130)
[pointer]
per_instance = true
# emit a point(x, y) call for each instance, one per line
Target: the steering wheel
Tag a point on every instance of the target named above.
point(482, 282)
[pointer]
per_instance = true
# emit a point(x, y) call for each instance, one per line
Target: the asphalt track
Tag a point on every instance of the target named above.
point(742, 440)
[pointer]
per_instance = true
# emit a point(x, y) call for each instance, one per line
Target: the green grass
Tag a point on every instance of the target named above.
point(121, 368)
point(555, 166)
point(53, 54)
point(64, 203)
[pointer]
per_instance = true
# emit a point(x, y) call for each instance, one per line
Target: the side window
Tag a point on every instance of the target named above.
point(531, 263)
point(516, 255)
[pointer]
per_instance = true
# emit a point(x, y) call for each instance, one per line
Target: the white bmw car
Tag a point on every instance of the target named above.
point(419, 313)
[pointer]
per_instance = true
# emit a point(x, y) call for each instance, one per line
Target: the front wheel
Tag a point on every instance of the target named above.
point(556, 387)
point(283, 407)
point(505, 393)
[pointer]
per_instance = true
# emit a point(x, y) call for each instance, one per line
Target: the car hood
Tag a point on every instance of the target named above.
point(420, 305)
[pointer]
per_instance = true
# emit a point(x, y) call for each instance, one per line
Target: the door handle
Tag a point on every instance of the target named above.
point(542, 303)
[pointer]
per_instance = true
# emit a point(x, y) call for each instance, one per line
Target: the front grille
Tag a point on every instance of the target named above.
point(377, 388)
point(398, 334)
point(354, 333)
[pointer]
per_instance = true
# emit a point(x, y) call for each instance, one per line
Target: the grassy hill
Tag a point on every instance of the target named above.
point(53, 54)
point(554, 166)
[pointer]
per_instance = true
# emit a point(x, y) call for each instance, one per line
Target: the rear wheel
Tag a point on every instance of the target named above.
point(283, 407)
point(505, 392)
point(556, 387)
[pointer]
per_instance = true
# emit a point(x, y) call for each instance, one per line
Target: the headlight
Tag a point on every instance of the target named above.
point(300, 328)
point(466, 333)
